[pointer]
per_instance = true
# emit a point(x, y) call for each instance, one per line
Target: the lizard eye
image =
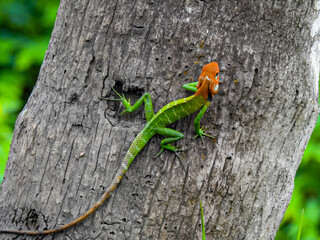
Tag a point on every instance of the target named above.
point(216, 76)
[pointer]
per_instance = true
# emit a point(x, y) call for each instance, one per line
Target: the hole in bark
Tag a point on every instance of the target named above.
point(169, 58)
point(157, 59)
point(148, 179)
point(256, 70)
point(123, 219)
point(138, 27)
point(111, 233)
point(73, 97)
point(32, 217)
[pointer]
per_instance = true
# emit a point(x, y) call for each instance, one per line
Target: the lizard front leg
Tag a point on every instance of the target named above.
point(146, 99)
point(191, 86)
point(200, 131)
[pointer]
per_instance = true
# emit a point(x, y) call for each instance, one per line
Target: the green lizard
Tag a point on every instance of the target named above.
point(204, 89)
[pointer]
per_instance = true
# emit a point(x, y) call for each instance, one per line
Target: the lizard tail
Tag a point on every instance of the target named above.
point(139, 142)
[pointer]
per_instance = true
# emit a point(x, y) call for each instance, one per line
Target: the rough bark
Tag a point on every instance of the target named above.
point(67, 143)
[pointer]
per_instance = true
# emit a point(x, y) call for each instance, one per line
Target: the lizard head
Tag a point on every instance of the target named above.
point(208, 84)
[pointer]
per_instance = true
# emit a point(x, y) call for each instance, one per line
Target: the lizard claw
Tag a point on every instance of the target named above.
point(121, 98)
point(123, 112)
point(158, 154)
point(177, 149)
point(119, 95)
point(112, 99)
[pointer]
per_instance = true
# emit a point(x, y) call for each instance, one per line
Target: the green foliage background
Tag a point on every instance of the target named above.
point(25, 28)
point(306, 195)
point(25, 31)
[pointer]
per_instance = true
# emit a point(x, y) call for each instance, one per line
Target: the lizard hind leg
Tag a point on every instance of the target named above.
point(172, 135)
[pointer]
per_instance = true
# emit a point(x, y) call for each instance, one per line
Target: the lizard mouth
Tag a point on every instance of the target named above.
point(214, 86)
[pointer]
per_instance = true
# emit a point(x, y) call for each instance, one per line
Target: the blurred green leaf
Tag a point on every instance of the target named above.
point(16, 12)
point(300, 227)
point(6, 48)
point(32, 53)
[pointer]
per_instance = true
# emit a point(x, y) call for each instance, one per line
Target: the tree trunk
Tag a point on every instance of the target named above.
point(68, 144)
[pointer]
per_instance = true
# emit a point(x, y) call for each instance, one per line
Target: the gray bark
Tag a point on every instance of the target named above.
point(68, 144)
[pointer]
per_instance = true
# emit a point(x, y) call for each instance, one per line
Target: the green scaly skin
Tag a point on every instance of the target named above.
point(156, 124)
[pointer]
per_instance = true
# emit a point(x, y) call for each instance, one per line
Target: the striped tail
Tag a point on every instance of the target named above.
point(138, 143)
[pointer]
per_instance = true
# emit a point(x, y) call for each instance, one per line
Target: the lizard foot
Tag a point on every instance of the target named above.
point(169, 147)
point(201, 133)
point(121, 98)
